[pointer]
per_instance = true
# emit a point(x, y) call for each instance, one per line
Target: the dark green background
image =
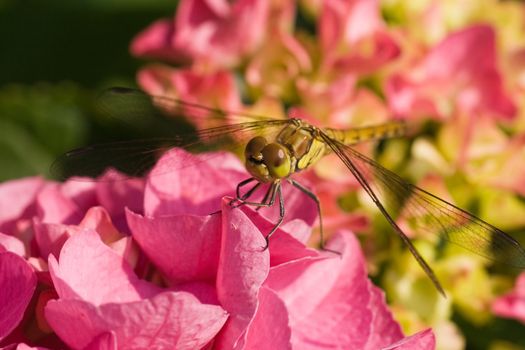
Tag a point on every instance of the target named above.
point(55, 57)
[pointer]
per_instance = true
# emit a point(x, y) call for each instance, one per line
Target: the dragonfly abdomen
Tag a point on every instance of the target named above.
point(368, 133)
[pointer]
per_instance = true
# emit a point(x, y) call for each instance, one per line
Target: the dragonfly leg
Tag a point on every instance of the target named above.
point(238, 190)
point(266, 197)
point(250, 192)
point(281, 213)
point(273, 194)
point(241, 185)
point(268, 201)
point(242, 199)
point(312, 195)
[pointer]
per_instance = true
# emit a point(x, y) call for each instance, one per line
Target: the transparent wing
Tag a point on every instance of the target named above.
point(397, 198)
point(139, 110)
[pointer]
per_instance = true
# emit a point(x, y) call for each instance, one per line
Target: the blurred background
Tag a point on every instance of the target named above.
point(57, 56)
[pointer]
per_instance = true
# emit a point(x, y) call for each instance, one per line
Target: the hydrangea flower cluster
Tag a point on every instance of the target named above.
point(144, 265)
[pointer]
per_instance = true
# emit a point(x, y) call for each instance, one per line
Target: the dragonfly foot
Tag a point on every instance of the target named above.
point(236, 203)
point(266, 244)
point(332, 251)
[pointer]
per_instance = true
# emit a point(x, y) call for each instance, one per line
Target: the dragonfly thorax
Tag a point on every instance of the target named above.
point(267, 162)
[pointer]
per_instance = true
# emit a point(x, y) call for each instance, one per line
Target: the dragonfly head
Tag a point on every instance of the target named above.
point(267, 161)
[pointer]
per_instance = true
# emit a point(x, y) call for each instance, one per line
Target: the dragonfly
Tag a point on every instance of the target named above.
point(276, 149)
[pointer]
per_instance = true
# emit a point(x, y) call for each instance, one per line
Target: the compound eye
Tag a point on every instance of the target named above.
point(254, 148)
point(277, 160)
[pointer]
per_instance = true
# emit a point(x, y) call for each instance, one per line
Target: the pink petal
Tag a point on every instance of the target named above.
point(170, 319)
point(23, 346)
point(471, 55)
point(424, 340)
point(90, 270)
point(313, 324)
point(337, 95)
point(18, 281)
point(512, 305)
point(205, 292)
point(470, 79)
point(385, 49)
point(514, 165)
point(217, 90)
point(385, 330)
point(278, 64)
point(298, 229)
point(207, 31)
point(490, 95)
point(407, 98)
point(182, 183)
point(183, 247)
point(115, 193)
point(17, 201)
point(348, 20)
point(269, 328)
point(105, 341)
point(157, 80)
point(341, 311)
point(457, 49)
point(81, 191)
point(51, 237)
point(219, 32)
point(98, 219)
point(283, 245)
point(12, 244)
point(243, 267)
point(156, 41)
point(127, 248)
point(345, 25)
point(55, 207)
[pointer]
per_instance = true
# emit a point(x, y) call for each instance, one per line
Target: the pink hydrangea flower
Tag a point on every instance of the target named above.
point(13, 214)
point(219, 261)
point(280, 61)
point(216, 89)
point(214, 33)
point(353, 36)
point(39, 217)
point(512, 305)
point(469, 82)
point(485, 153)
point(189, 279)
point(113, 300)
point(18, 281)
